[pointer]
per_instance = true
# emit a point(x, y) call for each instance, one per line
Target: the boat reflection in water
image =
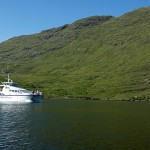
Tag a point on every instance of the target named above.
point(14, 125)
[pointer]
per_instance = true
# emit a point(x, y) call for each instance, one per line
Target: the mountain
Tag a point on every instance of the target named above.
point(96, 57)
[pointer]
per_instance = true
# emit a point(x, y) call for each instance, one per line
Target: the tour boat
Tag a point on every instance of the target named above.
point(10, 92)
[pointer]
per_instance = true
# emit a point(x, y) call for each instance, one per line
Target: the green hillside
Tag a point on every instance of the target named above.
point(97, 57)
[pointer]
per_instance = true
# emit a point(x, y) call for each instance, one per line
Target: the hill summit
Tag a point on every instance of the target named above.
point(95, 57)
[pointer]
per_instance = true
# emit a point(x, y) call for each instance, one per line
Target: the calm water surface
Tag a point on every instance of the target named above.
point(75, 125)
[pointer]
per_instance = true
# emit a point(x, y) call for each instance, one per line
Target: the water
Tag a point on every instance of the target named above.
point(75, 125)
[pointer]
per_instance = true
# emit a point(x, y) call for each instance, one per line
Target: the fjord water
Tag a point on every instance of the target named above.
point(75, 125)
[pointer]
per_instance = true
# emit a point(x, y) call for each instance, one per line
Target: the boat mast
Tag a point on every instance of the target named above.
point(8, 77)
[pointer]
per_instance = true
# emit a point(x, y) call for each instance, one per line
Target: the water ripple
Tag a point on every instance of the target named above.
point(14, 123)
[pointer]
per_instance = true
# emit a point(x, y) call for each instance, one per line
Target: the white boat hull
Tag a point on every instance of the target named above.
point(21, 98)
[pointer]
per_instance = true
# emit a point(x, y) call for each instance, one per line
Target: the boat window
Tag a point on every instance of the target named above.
point(1, 88)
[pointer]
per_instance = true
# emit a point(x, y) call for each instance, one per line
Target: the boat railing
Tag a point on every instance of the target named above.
point(36, 92)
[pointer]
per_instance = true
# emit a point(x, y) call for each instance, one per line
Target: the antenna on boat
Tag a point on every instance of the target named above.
point(8, 77)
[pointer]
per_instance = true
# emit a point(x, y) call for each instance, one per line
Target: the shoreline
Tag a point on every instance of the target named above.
point(97, 99)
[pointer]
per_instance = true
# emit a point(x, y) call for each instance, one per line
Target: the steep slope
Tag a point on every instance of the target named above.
point(30, 46)
point(99, 57)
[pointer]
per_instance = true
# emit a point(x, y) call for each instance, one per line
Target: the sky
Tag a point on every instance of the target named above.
point(24, 17)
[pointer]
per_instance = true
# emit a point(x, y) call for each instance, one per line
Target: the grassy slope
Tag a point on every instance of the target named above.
point(100, 57)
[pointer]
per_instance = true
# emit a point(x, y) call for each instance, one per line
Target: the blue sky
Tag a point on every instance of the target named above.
point(23, 17)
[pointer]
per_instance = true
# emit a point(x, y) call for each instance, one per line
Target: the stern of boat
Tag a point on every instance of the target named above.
point(36, 98)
